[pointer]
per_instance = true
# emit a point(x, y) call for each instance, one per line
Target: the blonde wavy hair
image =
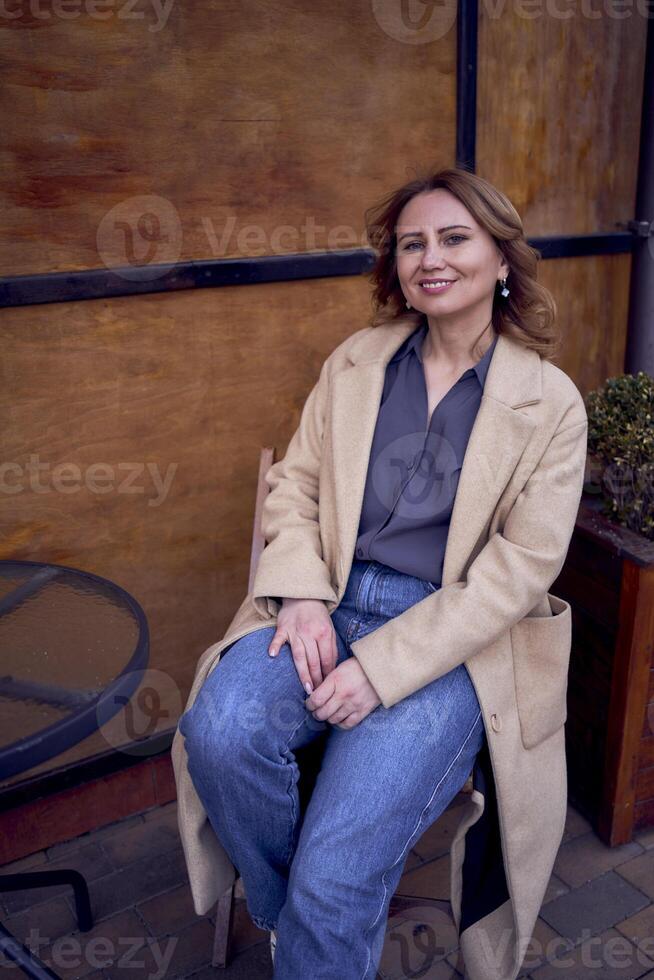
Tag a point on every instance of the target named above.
point(528, 314)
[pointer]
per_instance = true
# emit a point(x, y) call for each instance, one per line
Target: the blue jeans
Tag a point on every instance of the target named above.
point(324, 879)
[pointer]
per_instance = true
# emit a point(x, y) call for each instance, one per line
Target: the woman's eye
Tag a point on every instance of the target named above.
point(461, 238)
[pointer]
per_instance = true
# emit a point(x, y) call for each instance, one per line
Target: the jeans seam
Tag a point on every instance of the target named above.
point(404, 849)
point(376, 590)
point(359, 588)
point(352, 630)
point(294, 812)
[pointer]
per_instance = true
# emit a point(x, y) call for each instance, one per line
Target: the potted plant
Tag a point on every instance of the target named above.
point(608, 578)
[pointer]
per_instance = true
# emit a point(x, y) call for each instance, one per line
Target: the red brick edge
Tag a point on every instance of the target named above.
point(80, 809)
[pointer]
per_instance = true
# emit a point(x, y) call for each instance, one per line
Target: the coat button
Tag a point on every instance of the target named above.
point(360, 552)
point(496, 723)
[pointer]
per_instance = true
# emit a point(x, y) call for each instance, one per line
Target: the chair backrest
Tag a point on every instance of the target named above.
point(266, 459)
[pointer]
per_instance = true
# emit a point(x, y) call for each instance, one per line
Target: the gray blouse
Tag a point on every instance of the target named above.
point(414, 464)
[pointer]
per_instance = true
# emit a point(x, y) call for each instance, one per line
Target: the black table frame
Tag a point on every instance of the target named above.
point(51, 741)
point(82, 722)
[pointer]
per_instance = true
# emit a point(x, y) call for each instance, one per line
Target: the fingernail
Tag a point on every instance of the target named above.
point(272, 653)
point(308, 688)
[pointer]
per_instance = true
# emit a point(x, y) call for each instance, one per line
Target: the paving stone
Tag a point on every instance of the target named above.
point(57, 851)
point(437, 839)
point(136, 883)
point(555, 887)
point(170, 912)
point(455, 959)
point(86, 952)
point(45, 922)
point(595, 906)
point(442, 970)
point(639, 928)
point(142, 959)
point(193, 949)
point(166, 812)
point(575, 824)
point(252, 964)
point(608, 956)
point(244, 931)
point(417, 940)
point(545, 943)
point(90, 860)
point(645, 837)
point(31, 862)
point(640, 872)
point(413, 860)
point(431, 880)
point(143, 840)
point(169, 956)
point(586, 856)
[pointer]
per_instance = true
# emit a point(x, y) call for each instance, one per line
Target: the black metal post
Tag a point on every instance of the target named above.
point(639, 354)
point(466, 84)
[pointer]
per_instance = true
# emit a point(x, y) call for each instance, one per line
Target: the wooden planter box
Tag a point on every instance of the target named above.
point(608, 578)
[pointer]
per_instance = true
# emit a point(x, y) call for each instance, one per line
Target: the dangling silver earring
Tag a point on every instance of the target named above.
point(408, 305)
point(505, 291)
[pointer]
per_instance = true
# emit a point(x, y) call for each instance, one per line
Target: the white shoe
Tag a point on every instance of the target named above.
point(273, 944)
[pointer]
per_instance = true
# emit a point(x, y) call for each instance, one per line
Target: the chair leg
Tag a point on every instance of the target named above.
point(223, 934)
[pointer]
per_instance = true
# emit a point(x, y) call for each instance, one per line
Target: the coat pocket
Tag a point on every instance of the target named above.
point(541, 656)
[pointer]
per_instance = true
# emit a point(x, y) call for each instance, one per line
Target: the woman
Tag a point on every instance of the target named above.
point(422, 511)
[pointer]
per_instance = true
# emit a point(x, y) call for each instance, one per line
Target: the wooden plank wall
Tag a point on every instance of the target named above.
point(236, 129)
point(558, 121)
point(237, 113)
point(246, 128)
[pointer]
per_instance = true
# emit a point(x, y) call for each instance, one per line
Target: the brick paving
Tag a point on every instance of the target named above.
point(597, 920)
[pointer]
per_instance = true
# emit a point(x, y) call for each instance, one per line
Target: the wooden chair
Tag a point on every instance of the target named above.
point(308, 757)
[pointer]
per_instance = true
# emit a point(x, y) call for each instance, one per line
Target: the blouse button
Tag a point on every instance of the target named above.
point(496, 723)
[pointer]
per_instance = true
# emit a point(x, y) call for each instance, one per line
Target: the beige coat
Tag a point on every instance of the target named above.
point(514, 514)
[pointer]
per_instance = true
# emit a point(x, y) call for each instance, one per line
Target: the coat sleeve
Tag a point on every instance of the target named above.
point(291, 565)
point(511, 573)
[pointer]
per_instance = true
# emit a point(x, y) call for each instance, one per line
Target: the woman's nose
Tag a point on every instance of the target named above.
point(432, 258)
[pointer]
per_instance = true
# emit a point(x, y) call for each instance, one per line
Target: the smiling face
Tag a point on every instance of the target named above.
point(446, 262)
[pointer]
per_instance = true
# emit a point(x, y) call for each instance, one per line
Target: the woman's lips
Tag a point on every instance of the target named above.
point(431, 289)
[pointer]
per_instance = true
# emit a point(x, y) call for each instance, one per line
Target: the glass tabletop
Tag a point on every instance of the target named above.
point(71, 648)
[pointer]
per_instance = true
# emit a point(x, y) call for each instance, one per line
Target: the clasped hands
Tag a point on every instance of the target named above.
point(341, 695)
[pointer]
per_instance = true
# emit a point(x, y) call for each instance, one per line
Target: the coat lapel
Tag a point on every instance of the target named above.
point(497, 440)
